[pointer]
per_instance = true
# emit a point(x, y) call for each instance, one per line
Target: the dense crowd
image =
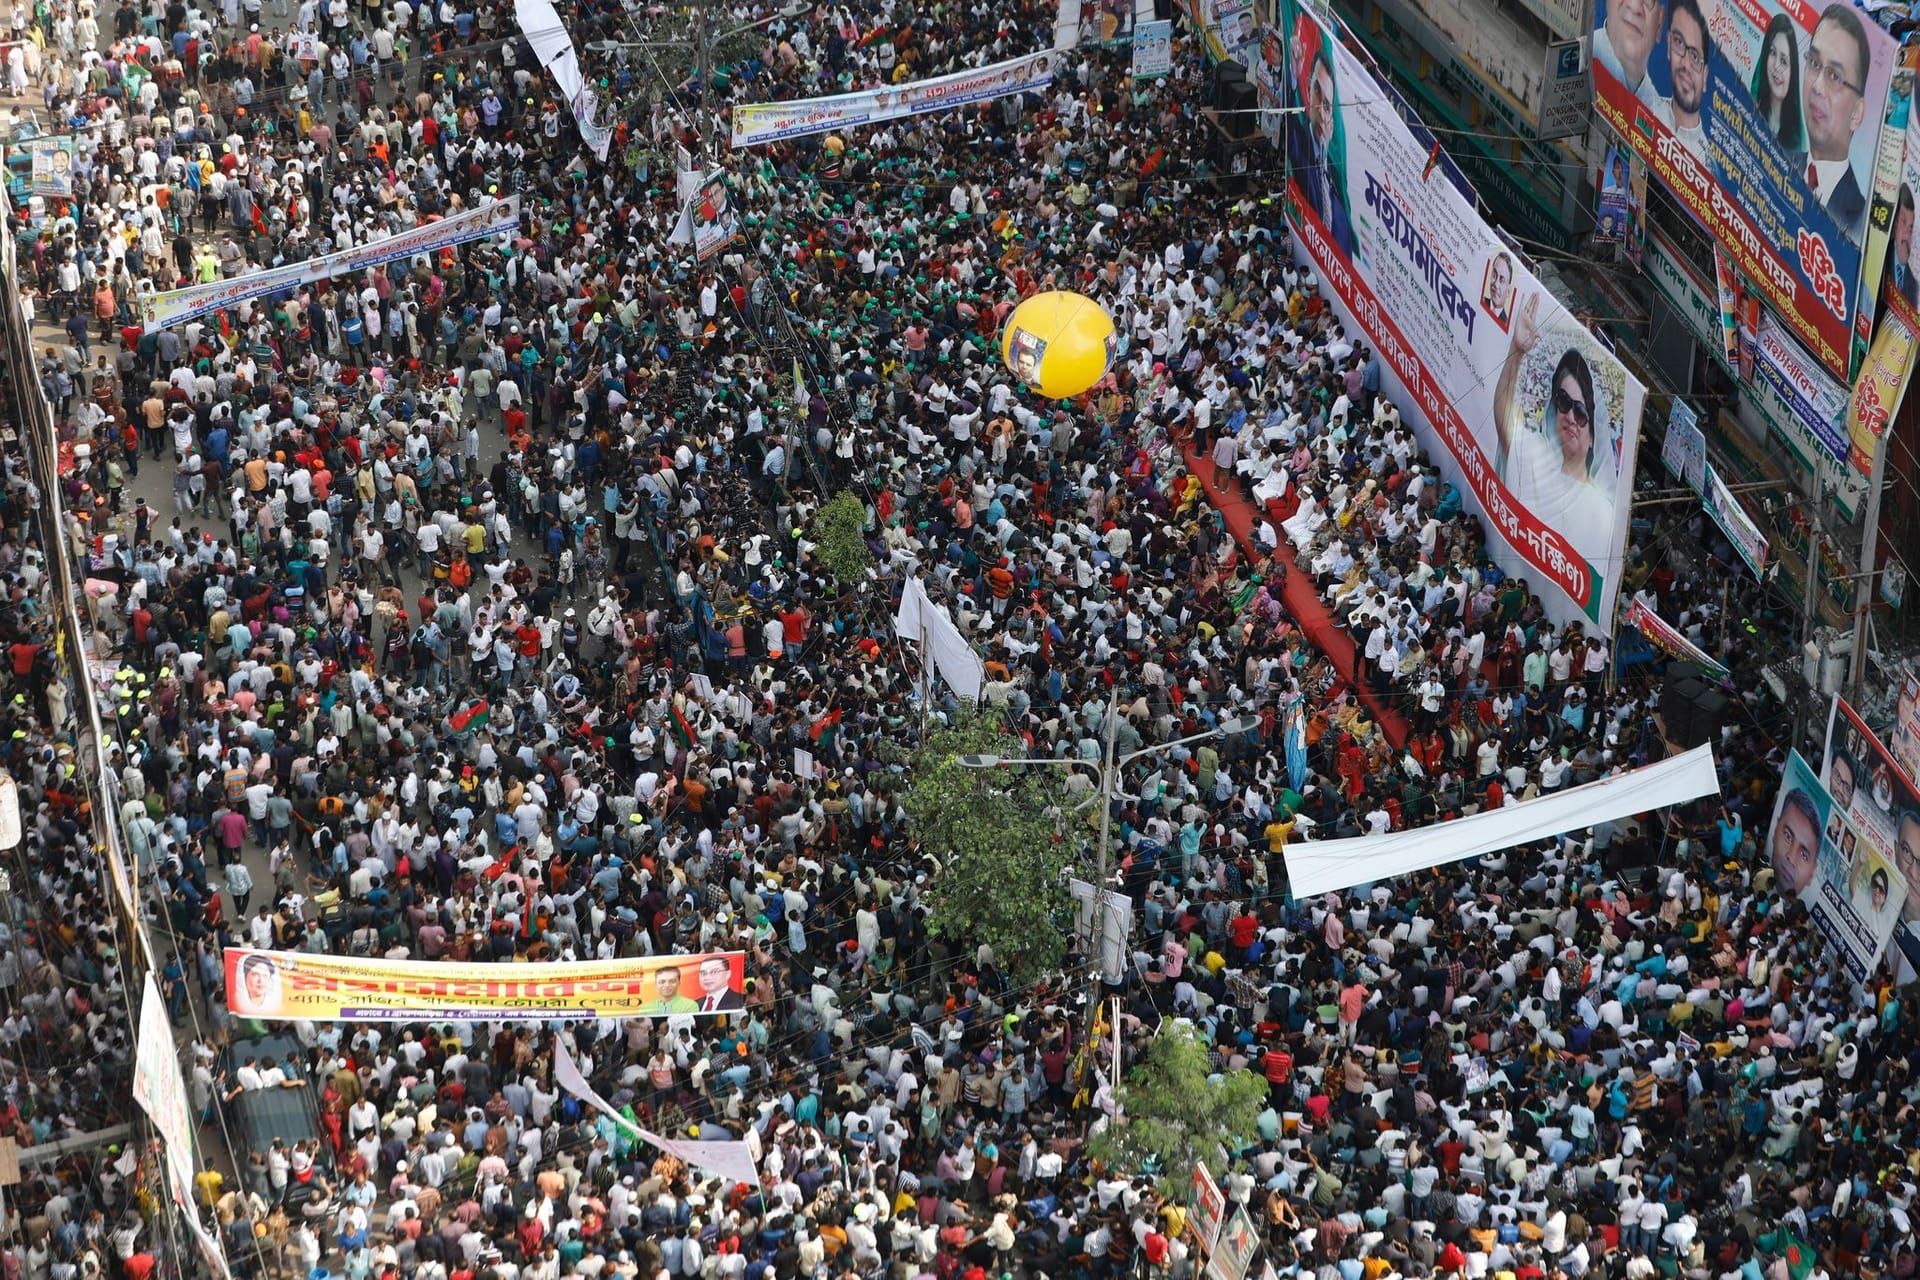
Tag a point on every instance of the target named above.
point(480, 613)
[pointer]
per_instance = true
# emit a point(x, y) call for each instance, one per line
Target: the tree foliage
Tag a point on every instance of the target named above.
point(839, 541)
point(995, 834)
point(1173, 1117)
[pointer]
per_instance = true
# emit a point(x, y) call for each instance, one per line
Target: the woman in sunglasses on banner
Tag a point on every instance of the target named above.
point(1551, 471)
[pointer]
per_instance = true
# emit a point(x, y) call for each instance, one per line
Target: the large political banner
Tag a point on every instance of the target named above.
point(1764, 118)
point(324, 988)
point(756, 124)
point(1540, 421)
point(1883, 379)
point(1882, 804)
point(1852, 891)
point(496, 217)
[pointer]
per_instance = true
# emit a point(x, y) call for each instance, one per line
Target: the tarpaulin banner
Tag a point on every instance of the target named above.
point(1614, 213)
point(1748, 542)
point(496, 217)
point(1882, 384)
point(1804, 387)
point(756, 124)
point(1852, 891)
point(1532, 416)
point(732, 1160)
point(1906, 728)
point(1328, 866)
point(1881, 802)
point(1685, 448)
point(1661, 635)
point(707, 218)
point(52, 166)
point(552, 44)
point(1153, 49)
point(323, 988)
point(1764, 118)
point(158, 1086)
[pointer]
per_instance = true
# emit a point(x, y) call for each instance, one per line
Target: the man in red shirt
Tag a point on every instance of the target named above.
point(1277, 1064)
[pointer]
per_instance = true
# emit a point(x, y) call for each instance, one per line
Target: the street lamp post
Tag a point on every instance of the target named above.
point(1111, 766)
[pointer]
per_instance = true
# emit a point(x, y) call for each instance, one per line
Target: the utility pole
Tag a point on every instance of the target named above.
point(703, 71)
point(1109, 787)
point(1809, 603)
point(1869, 582)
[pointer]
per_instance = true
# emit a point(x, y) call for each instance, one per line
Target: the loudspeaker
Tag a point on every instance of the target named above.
point(1709, 716)
point(1235, 99)
point(1691, 709)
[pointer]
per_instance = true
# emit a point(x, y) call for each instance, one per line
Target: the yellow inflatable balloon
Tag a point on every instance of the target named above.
point(1060, 344)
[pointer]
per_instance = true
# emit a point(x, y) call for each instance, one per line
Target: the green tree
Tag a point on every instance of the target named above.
point(995, 833)
point(1173, 1117)
point(838, 531)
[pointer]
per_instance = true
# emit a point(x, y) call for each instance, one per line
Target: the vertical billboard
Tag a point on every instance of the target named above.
point(1764, 118)
point(1523, 407)
point(1852, 890)
point(1883, 379)
point(1882, 804)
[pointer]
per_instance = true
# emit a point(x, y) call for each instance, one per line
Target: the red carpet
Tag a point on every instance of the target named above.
point(1299, 596)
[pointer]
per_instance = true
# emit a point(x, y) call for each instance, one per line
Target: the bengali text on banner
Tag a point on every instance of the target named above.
point(1533, 416)
point(497, 217)
point(1764, 118)
point(272, 985)
point(755, 124)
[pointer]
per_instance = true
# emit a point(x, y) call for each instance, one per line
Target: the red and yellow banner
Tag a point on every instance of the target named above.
point(295, 985)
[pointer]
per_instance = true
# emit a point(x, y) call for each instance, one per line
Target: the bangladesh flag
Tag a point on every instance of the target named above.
point(1799, 1255)
point(472, 716)
point(682, 731)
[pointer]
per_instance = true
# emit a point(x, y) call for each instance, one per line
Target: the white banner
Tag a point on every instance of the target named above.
point(919, 618)
point(756, 124)
point(541, 25)
point(496, 217)
point(1327, 866)
point(159, 1087)
point(161, 1091)
point(731, 1160)
point(1526, 411)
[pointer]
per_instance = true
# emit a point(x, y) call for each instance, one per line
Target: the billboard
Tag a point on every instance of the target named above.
point(1882, 804)
point(1535, 420)
point(1764, 118)
point(1853, 893)
point(325, 988)
point(1876, 396)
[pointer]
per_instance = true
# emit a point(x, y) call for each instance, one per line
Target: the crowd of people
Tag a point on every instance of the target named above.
point(480, 607)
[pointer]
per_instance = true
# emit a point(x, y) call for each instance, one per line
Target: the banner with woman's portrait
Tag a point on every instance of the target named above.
point(1530, 414)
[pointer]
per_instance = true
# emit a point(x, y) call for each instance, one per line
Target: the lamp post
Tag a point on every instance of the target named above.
point(702, 45)
point(1110, 769)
